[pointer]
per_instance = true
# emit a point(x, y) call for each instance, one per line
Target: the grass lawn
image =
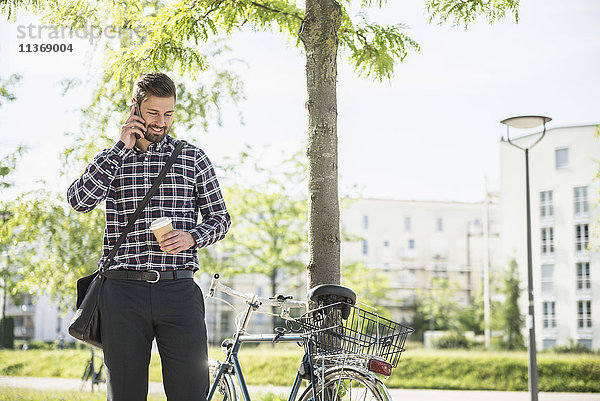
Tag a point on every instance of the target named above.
point(418, 368)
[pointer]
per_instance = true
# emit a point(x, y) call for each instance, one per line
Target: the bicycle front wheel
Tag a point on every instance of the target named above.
point(347, 384)
point(226, 388)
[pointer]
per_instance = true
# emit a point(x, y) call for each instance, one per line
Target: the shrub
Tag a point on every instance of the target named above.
point(452, 341)
point(573, 347)
point(43, 345)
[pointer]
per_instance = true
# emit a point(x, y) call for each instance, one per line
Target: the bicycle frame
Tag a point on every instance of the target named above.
point(233, 361)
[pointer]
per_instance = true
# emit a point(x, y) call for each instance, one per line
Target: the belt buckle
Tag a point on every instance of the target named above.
point(157, 276)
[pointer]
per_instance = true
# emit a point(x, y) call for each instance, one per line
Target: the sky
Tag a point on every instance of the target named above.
point(431, 133)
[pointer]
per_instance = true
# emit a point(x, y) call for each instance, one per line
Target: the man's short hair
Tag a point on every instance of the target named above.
point(153, 84)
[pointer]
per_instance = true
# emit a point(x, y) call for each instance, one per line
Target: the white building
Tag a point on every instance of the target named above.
point(564, 214)
point(414, 241)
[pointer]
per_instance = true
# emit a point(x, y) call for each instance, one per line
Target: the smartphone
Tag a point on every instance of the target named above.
point(137, 112)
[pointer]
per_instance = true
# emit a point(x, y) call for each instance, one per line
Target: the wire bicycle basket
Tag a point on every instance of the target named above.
point(344, 329)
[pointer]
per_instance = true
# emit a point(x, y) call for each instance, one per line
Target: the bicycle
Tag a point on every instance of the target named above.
point(345, 346)
point(90, 372)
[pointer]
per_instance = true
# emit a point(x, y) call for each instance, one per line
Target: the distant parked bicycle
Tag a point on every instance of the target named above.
point(94, 371)
point(344, 346)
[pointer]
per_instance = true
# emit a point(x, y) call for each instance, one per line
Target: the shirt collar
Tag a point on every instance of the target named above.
point(165, 145)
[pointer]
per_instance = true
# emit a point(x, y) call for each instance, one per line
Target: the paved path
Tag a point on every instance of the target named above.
point(48, 383)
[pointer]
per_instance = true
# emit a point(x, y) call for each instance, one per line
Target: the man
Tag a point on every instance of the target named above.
point(135, 307)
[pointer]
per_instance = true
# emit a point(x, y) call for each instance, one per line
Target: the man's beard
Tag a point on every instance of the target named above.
point(154, 137)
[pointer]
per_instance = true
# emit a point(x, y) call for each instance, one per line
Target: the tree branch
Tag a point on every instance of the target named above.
point(274, 10)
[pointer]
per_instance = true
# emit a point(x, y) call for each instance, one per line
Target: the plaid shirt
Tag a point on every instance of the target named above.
point(124, 176)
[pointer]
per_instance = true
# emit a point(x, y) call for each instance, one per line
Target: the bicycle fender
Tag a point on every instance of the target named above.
point(367, 374)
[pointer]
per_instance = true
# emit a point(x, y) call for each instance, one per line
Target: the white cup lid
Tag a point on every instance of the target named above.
point(160, 222)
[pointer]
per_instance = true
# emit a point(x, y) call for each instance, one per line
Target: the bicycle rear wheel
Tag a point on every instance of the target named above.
point(347, 384)
point(87, 373)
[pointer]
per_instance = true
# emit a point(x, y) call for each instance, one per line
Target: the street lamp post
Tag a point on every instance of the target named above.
point(529, 122)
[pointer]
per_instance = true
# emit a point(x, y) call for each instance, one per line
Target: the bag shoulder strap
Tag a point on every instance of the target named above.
point(143, 203)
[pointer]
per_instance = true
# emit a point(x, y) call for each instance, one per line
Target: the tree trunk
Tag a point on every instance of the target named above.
point(319, 35)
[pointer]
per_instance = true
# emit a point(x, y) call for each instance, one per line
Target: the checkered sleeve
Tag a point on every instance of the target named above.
point(215, 217)
point(92, 187)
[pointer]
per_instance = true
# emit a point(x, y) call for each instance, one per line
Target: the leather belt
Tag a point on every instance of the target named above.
point(150, 276)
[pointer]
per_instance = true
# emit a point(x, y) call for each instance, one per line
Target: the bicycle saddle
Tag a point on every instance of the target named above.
point(326, 294)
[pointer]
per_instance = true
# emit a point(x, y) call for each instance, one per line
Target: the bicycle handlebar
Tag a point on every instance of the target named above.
point(253, 298)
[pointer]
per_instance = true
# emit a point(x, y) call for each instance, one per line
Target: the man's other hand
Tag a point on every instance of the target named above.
point(176, 241)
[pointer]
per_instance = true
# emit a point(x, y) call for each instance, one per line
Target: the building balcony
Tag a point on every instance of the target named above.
point(584, 332)
point(582, 217)
point(439, 255)
point(583, 253)
point(20, 310)
point(404, 285)
point(409, 253)
point(24, 332)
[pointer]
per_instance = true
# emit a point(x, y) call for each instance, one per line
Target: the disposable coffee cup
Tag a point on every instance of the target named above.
point(161, 226)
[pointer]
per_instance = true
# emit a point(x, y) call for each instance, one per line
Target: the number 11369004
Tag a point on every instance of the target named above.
point(45, 48)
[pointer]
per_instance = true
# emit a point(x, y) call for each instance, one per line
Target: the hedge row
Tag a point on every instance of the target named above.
point(496, 371)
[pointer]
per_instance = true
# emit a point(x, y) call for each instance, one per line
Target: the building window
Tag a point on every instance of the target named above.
point(547, 241)
point(549, 315)
point(562, 158)
point(411, 244)
point(547, 278)
point(365, 247)
point(546, 209)
point(583, 276)
point(386, 244)
point(365, 222)
point(584, 314)
point(581, 200)
point(549, 343)
point(407, 223)
point(581, 237)
point(439, 224)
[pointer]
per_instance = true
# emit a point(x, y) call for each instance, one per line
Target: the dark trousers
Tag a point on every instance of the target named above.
point(132, 314)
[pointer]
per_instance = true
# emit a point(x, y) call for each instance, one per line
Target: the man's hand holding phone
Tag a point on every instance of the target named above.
point(134, 128)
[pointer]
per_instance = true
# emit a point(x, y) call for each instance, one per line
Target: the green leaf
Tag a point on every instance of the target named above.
point(464, 12)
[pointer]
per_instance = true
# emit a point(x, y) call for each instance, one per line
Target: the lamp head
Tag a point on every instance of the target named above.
point(526, 121)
